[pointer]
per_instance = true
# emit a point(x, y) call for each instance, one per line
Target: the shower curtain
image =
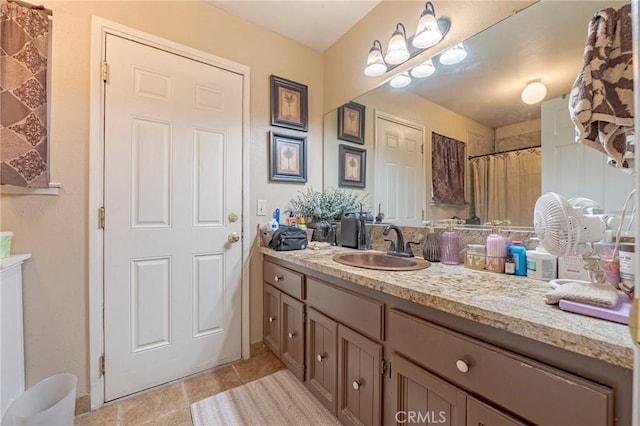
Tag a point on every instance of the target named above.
point(507, 185)
point(24, 49)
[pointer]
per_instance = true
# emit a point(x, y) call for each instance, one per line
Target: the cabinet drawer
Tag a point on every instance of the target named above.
point(534, 391)
point(357, 312)
point(284, 279)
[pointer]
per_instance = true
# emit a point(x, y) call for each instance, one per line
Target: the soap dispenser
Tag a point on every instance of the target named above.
point(431, 248)
point(497, 247)
point(450, 245)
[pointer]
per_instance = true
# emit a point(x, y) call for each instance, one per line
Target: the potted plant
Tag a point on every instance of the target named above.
point(320, 208)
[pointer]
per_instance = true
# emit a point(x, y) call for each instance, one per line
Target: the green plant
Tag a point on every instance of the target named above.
point(330, 204)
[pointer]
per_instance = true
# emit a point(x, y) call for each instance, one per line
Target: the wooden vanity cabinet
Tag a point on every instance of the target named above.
point(359, 378)
point(284, 316)
point(481, 414)
point(322, 358)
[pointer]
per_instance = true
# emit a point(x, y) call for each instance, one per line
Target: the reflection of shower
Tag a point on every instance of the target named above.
point(506, 185)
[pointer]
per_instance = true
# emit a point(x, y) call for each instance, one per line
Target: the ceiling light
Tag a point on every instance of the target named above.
point(397, 51)
point(427, 33)
point(423, 70)
point(453, 55)
point(375, 64)
point(534, 92)
point(400, 80)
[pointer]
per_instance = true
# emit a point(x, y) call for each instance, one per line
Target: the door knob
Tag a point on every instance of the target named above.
point(233, 237)
point(233, 217)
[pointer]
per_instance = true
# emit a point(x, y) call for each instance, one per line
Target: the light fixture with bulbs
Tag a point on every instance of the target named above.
point(423, 70)
point(429, 32)
point(375, 63)
point(534, 92)
point(400, 80)
point(397, 52)
point(453, 55)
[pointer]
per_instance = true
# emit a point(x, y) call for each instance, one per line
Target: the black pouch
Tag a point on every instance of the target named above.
point(287, 238)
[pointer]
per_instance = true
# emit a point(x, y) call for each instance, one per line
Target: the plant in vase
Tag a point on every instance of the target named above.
point(320, 208)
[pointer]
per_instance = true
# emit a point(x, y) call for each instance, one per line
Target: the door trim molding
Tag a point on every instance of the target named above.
point(100, 27)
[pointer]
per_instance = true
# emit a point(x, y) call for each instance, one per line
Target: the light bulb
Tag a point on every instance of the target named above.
point(400, 80)
point(397, 51)
point(375, 64)
point(453, 55)
point(423, 70)
point(427, 33)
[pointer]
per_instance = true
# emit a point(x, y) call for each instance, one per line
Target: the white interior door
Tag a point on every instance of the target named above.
point(399, 170)
point(173, 176)
point(574, 170)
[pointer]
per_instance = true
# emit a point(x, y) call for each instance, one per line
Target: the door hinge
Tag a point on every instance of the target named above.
point(101, 214)
point(422, 148)
point(385, 366)
point(105, 71)
point(101, 366)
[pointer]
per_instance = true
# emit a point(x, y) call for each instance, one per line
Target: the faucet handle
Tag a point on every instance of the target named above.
point(392, 247)
point(408, 246)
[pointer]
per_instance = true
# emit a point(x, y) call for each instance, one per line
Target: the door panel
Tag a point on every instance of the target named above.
point(173, 172)
point(359, 381)
point(400, 170)
point(292, 342)
point(272, 318)
point(322, 362)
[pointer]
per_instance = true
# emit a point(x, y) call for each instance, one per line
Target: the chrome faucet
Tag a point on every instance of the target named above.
point(398, 248)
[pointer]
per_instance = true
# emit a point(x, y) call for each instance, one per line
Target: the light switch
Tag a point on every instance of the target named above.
point(262, 208)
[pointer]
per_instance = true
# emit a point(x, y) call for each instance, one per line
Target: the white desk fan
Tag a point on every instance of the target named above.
point(564, 230)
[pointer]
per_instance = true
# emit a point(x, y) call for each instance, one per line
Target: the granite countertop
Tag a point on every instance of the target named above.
point(506, 302)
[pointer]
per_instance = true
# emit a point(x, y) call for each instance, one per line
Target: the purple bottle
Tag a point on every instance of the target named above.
point(450, 246)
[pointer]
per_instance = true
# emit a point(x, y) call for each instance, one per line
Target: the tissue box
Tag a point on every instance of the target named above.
point(5, 244)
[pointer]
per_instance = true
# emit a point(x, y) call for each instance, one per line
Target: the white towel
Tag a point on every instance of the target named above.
point(601, 104)
point(597, 294)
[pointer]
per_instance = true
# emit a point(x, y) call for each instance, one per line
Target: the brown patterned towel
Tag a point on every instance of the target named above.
point(601, 104)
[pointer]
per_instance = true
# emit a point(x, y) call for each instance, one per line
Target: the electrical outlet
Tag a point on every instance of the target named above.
point(262, 208)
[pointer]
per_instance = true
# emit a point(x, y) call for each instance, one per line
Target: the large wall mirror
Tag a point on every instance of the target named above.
point(477, 102)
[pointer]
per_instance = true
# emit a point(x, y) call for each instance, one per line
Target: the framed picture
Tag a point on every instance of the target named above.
point(352, 166)
point(289, 104)
point(288, 162)
point(351, 122)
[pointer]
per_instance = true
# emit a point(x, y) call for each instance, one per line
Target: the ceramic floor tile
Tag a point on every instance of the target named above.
point(181, 417)
point(258, 367)
point(107, 416)
point(208, 384)
point(153, 404)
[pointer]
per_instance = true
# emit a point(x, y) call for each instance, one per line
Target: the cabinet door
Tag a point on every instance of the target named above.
point(272, 318)
point(423, 399)
point(479, 414)
point(322, 361)
point(359, 378)
point(292, 342)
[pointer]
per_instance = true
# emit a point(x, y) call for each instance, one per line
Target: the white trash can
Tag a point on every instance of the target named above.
point(50, 402)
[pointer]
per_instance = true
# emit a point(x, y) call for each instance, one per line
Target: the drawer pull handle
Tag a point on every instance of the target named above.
point(462, 366)
point(321, 357)
point(272, 319)
point(278, 277)
point(291, 334)
point(356, 385)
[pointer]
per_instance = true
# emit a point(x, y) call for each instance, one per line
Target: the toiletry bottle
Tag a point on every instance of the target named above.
point(541, 265)
point(496, 250)
point(450, 246)
point(431, 248)
point(509, 265)
point(519, 253)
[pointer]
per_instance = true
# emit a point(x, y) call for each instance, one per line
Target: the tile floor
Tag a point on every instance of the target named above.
point(169, 404)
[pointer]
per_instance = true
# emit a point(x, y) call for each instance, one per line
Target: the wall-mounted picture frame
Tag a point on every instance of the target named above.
point(351, 122)
point(289, 104)
point(288, 157)
point(352, 166)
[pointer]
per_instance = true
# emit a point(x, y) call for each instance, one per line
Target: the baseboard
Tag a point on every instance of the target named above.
point(83, 404)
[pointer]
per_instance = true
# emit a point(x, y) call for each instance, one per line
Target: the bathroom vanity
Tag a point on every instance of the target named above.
point(445, 345)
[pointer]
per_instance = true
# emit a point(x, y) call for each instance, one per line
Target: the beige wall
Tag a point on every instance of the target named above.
point(519, 135)
point(55, 229)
